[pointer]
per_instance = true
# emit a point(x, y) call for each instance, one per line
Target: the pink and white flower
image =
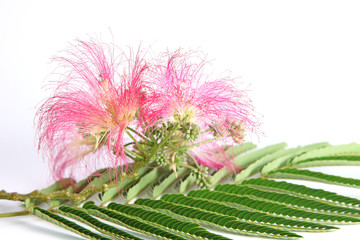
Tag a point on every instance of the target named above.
point(181, 92)
point(90, 109)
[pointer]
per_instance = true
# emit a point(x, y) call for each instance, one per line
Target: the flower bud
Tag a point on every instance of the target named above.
point(190, 131)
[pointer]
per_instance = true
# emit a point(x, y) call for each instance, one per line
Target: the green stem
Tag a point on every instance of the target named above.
point(134, 153)
point(15, 214)
point(176, 140)
point(201, 143)
point(185, 148)
point(192, 158)
point(185, 152)
point(139, 134)
point(186, 166)
point(39, 197)
point(132, 143)
point(132, 157)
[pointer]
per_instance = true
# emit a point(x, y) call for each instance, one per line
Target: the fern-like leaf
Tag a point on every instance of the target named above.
point(245, 215)
point(271, 208)
point(285, 157)
point(303, 191)
point(243, 161)
point(145, 181)
point(288, 200)
point(189, 181)
point(220, 221)
point(168, 181)
point(67, 224)
point(130, 222)
point(166, 222)
point(84, 217)
point(302, 174)
point(123, 184)
point(236, 150)
point(341, 155)
point(258, 164)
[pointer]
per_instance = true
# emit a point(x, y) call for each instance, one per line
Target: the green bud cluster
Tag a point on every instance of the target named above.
point(160, 131)
point(201, 174)
point(161, 159)
point(179, 157)
point(190, 131)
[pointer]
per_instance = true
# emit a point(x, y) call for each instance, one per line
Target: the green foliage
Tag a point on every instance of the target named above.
point(243, 161)
point(145, 181)
point(168, 181)
point(246, 215)
point(270, 208)
point(219, 221)
point(166, 222)
point(130, 222)
point(285, 157)
point(294, 173)
point(302, 191)
point(95, 223)
point(287, 200)
point(69, 225)
point(253, 206)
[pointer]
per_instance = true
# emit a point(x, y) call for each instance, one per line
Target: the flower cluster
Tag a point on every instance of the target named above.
point(112, 112)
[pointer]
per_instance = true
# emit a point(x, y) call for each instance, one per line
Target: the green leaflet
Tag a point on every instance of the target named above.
point(243, 161)
point(347, 154)
point(335, 160)
point(271, 208)
point(293, 173)
point(258, 164)
point(189, 181)
point(285, 157)
point(234, 151)
point(84, 217)
point(303, 191)
point(346, 149)
point(219, 221)
point(130, 222)
point(245, 215)
point(114, 191)
point(166, 222)
point(69, 225)
point(288, 200)
point(145, 181)
point(167, 182)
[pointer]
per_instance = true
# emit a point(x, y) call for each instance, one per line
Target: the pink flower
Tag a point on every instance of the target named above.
point(181, 92)
point(81, 126)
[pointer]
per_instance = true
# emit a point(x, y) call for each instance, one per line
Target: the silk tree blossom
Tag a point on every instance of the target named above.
point(180, 92)
point(90, 109)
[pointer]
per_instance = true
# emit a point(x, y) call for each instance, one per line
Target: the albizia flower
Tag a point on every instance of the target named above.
point(180, 92)
point(90, 110)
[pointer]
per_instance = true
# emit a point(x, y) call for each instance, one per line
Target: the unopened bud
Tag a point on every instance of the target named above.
point(190, 131)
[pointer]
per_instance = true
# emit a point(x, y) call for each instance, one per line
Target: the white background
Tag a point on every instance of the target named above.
point(300, 59)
